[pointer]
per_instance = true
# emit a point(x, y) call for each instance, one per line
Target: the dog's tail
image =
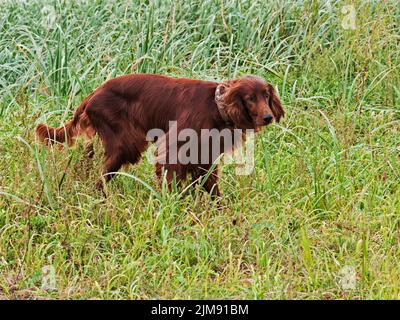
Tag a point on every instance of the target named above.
point(68, 132)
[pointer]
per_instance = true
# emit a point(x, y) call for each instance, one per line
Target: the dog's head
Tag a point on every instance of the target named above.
point(249, 102)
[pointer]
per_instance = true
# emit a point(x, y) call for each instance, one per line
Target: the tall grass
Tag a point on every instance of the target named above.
point(325, 192)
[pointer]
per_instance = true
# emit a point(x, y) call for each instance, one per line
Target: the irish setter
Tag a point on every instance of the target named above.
point(124, 109)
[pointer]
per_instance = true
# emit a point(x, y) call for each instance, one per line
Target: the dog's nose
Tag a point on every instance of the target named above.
point(267, 117)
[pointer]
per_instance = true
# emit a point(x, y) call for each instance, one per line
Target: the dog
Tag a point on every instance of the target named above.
point(124, 109)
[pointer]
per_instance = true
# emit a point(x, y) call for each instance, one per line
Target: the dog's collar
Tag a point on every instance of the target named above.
point(219, 100)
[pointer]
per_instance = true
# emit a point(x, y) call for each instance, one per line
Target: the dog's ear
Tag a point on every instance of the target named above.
point(227, 94)
point(225, 89)
point(275, 105)
point(220, 92)
point(235, 106)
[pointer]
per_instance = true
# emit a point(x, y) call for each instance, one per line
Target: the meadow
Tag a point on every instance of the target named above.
point(319, 217)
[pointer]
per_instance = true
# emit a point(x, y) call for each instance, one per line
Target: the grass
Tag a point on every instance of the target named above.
point(325, 193)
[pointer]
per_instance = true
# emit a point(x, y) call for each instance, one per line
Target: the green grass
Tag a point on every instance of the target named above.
point(325, 192)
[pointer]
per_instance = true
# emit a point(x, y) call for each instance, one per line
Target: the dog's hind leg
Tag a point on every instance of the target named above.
point(120, 150)
point(89, 150)
point(112, 164)
point(87, 130)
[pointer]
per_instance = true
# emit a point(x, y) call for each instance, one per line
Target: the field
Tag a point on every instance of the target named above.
point(319, 217)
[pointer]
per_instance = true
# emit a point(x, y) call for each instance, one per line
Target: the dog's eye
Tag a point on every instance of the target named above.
point(250, 98)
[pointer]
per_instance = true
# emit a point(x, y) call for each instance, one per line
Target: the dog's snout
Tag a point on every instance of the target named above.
point(267, 117)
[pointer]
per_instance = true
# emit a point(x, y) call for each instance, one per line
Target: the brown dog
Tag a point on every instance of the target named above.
point(123, 110)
